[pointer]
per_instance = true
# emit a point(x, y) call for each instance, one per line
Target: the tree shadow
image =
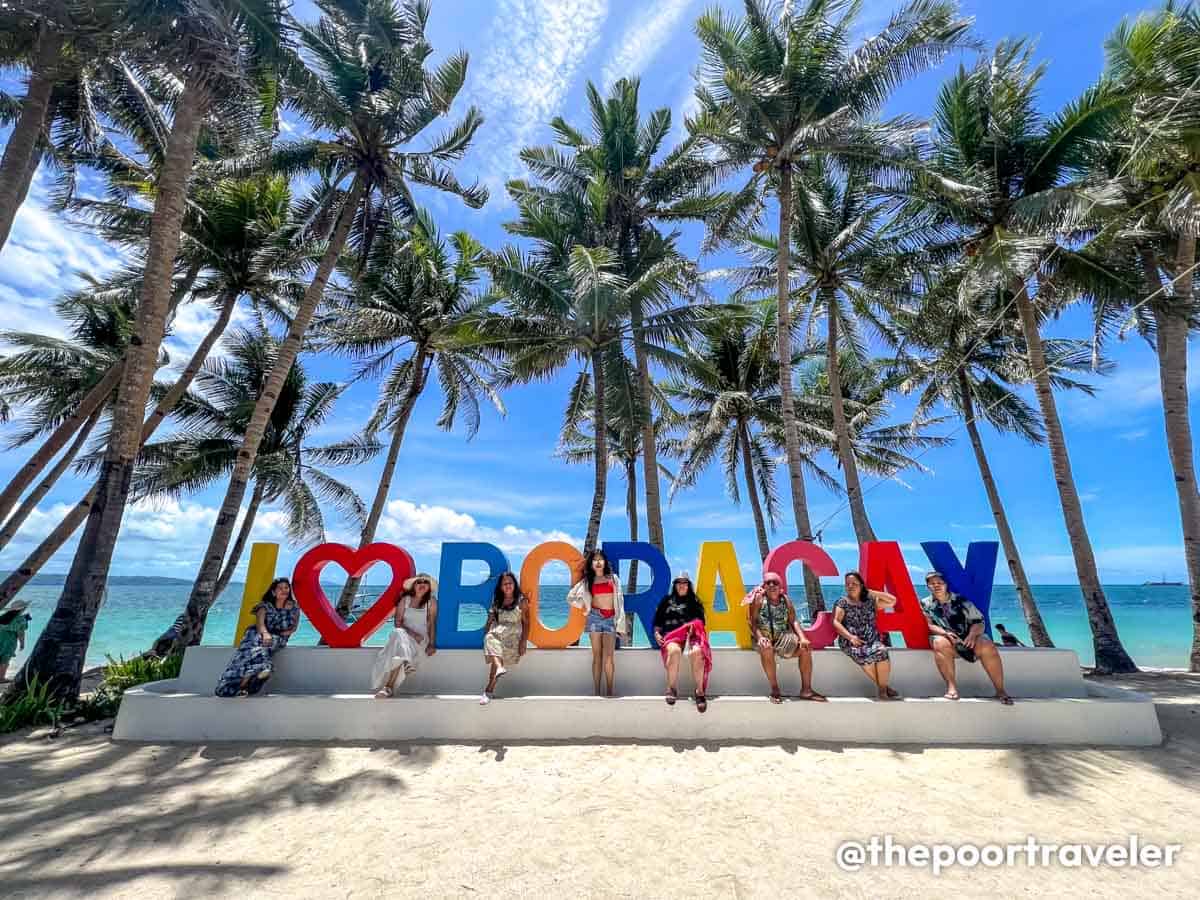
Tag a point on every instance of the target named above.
point(125, 800)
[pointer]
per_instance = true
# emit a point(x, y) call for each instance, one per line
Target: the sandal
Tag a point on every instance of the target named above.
point(814, 697)
point(701, 702)
point(256, 684)
point(892, 693)
point(950, 695)
point(1005, 699)
point(485, 699)
point(383, 693)
point(776, 697)
point(671, 697)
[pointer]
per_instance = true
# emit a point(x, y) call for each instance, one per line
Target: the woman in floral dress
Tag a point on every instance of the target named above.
point(276, 619)
point(858, 637)
point(506, 632)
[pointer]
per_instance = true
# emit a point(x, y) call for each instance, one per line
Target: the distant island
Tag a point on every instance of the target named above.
point(51, 580)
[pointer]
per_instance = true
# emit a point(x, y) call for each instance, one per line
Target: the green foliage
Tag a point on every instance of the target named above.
point(37, 705)
point(120, 675)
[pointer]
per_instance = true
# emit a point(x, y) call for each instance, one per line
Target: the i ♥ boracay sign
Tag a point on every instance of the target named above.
point(881, 563)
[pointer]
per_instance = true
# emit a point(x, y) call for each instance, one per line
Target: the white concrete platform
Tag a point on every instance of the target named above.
point(320, 694)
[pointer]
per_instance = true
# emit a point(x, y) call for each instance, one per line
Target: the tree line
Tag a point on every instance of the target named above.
point(877, 256)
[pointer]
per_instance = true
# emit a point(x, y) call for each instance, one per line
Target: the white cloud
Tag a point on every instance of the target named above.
point(1131, 562)
point(536, 50)
point(645, 35)
point(1135, 435)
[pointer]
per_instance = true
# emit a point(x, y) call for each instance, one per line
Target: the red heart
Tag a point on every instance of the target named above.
point(306, 582)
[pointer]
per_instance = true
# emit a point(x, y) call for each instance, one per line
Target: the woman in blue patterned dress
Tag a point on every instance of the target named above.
point(276, 619)
point(858, 637)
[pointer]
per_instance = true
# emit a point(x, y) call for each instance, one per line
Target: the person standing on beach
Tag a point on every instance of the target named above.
point(777, 635)
point(679, 630)
point(276, 618)
point(506, 634)
point(14, 622)
point(414, 630)
point(598, 594)
point(858, 636)
point(956, 629)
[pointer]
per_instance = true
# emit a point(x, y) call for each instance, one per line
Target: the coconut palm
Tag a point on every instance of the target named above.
point(217, 50)
point(619, 169)
point(960, 357)
point(288, 468)
point(230, 236)
point(784, 86)
point(368, 88)
point(1001, 192)
point(401, 321)
point(1153, 158)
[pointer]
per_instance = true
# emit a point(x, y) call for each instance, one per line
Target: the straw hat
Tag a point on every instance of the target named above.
point(421, 576)
point(685, 575)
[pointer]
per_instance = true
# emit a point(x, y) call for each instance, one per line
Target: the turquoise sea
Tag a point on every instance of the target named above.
point(1154, 622)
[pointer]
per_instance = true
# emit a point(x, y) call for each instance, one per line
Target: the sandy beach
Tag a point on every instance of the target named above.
point(83, 816)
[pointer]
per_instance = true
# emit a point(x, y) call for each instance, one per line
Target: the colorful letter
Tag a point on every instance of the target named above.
point(821, 632)
point(452, 593)
point(975, 580)
point(259, 576)
point(531, 572)
point(718, 559)
point(883, 568)
point(306, 581)
point(643, 603)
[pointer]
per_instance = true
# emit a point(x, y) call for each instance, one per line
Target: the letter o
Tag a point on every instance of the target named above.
point(531, 571)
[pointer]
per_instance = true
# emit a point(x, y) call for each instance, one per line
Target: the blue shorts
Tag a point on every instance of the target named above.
point(598, 624)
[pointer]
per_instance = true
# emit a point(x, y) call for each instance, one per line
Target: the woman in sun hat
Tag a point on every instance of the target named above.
point(414, 634)
point(679, 631)
point(14, 621)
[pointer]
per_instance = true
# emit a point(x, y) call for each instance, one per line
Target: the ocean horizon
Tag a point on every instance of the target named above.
point(1154, 621)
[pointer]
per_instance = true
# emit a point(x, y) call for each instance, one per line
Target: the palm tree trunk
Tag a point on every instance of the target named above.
point(1172, 348)
point(420, 373)
point(20, 153)
point(93, 400)
point(202, 596)
point(791, 435)
point(14, 522)
point(600, 427)
point(1110, 652)
point(760, 525)
point(57, 658)
point(654, 522)
point(1033, 616)
point(631, 513)
point(841, 429)
point(62, 532)
point(239, 544)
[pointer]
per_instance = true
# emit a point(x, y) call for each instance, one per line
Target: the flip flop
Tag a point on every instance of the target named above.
point(950, 695)
point(701, 702)
point(814, 697)
point(776, 697)
point(1005, 700)
point(671, 697)
point(893, 693)
point(382, 694)
point(485, 699)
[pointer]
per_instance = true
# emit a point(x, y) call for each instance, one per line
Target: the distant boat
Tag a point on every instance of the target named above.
point(1163, 583)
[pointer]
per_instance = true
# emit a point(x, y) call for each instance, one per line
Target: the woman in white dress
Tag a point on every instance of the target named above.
point(414, 634)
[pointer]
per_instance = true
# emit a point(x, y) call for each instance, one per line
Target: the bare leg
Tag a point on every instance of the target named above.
point(989, 658)
point(883, 671)
point(673, 654)
point(493, 668)
point(610, 663)
point(698, 672)
point(805, 661)
point(767, 658)
point(597, 642)
point(943, 656)
point(868, 669)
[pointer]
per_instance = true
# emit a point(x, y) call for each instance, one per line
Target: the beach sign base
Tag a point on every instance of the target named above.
point(321, 694)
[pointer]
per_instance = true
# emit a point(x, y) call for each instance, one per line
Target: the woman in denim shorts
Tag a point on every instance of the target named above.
point(598, 594)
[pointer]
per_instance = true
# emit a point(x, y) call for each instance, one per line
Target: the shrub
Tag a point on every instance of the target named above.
point(120, 675)
point(36, 706)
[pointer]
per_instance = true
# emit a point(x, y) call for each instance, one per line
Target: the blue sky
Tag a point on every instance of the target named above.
point(530, 60)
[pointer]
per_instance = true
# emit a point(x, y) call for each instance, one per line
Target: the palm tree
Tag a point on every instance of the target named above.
point(959, 357)
point(216, 49)
point(287, 469)
point(617, 170)
point(229, 234)
point(1155, 59)
point(782, 87)
point(1000, 191)
point(402, 320)
point(48, 378)
point(369, 89)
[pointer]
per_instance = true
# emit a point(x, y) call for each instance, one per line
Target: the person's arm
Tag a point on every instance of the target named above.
point(882, 599)
point(524, 645)
point(839, 613)
point(260, 622)
point(975, 619)
point(398, 613)
point(657, 625)
point(577, 595)
point(431, 626)
point(295, 627)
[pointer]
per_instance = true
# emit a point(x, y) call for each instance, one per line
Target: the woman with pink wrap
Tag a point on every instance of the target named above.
point(679, 631)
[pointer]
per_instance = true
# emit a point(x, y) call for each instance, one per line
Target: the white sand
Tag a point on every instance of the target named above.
point(82, 816)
